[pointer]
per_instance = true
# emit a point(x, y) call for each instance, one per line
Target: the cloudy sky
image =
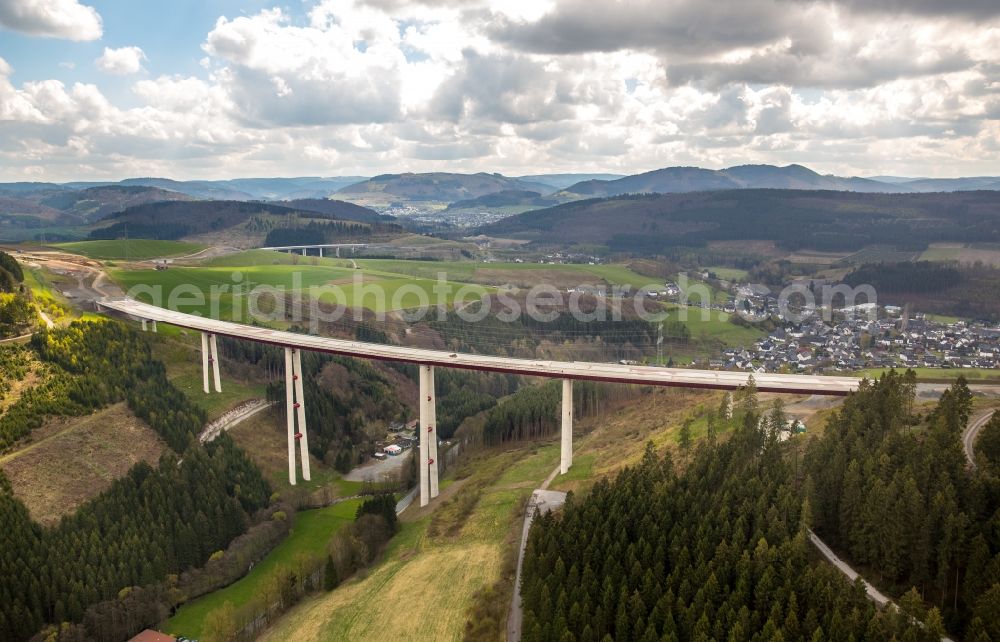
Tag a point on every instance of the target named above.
point(102, 89)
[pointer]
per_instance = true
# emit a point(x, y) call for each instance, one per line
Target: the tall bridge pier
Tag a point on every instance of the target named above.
point(428, 452)
point(295, 410)
point(210, 360)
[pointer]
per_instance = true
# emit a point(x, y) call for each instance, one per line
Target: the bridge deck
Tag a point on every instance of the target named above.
point(587, 371)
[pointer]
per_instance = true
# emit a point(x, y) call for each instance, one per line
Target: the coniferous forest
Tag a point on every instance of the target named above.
point(720, 550)
point(892, 489)
point(154, 522)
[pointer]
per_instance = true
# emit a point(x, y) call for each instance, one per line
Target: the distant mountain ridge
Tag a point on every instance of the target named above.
point(229, 189)
point(562, 181)
point(826, 220)
point(445, 187)
point(172, 220)
point(696, 179)
point(506, 198)
point(339, 209)
point(94, 203)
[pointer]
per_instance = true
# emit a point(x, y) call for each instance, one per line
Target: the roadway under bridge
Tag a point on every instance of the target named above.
point(567, 371)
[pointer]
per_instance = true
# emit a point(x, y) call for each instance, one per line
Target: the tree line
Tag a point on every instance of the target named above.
point(148, 524)
point(355, 547)
point(716, 551)
point(891, 487)
point(154, 522)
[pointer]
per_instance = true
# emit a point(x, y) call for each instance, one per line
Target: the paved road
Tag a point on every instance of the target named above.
point(542, 501)
point(232, 418)
point(24, 338)
point(971, 433)
point(377, 471)
point(873, 593)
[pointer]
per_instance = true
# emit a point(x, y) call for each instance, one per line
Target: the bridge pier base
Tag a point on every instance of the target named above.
point(295, 409)
point(143, 324)
point(428, 455)
point(154, 326)
point(566, 450)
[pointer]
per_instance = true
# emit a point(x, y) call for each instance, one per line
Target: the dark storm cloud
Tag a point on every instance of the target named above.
point(970, 8)
point(690, 27)
point(502, 88)
point(836, 68)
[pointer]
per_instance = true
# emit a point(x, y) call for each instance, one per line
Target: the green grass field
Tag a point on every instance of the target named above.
point(716, 327)
point(310, 535)
point(469, 272)
point(446, 569)
point(729, 274)
point(376, 291)
point(133, 249)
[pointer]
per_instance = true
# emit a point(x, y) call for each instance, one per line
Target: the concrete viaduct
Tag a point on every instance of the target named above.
point(328, 246)
point(427, 360)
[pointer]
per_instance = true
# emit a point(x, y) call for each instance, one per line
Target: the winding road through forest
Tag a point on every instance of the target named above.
point(970, 434)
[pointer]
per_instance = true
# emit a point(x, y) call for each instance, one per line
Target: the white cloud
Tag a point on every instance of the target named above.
point(372, 86)
point(66, 19)
point(122, 61)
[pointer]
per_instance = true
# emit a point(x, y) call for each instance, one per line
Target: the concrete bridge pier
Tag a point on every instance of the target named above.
point(204, 361)
point(154, 325)
point(321, 252)
point(304, 251)
point(143, 324)
point(427, 456)
point(209, 361)
point(214, 359)
point(566, 451)
point(295, 409)
point(300, 395)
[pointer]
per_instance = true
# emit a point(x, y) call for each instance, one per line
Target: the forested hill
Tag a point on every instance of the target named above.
point(822, 220)
point(174, 220)
point(695, 179)
point(891, 489)
point(438, 186)
point(16, 310)
point(106, 567)
point(719, 551)
point(337, 209)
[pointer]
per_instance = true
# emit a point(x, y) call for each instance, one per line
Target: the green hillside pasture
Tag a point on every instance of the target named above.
point(473, 272)
point(312, 530)
point(376, 292)
point(715, 327)
point(138, 249)
point(729, 274)
point(273, 257)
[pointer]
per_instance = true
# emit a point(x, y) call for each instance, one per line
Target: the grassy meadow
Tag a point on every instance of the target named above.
point(312, 530)
point(139, 249)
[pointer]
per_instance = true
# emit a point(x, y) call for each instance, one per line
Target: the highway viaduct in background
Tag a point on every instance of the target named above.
point(326, 246)
point(427, 360)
